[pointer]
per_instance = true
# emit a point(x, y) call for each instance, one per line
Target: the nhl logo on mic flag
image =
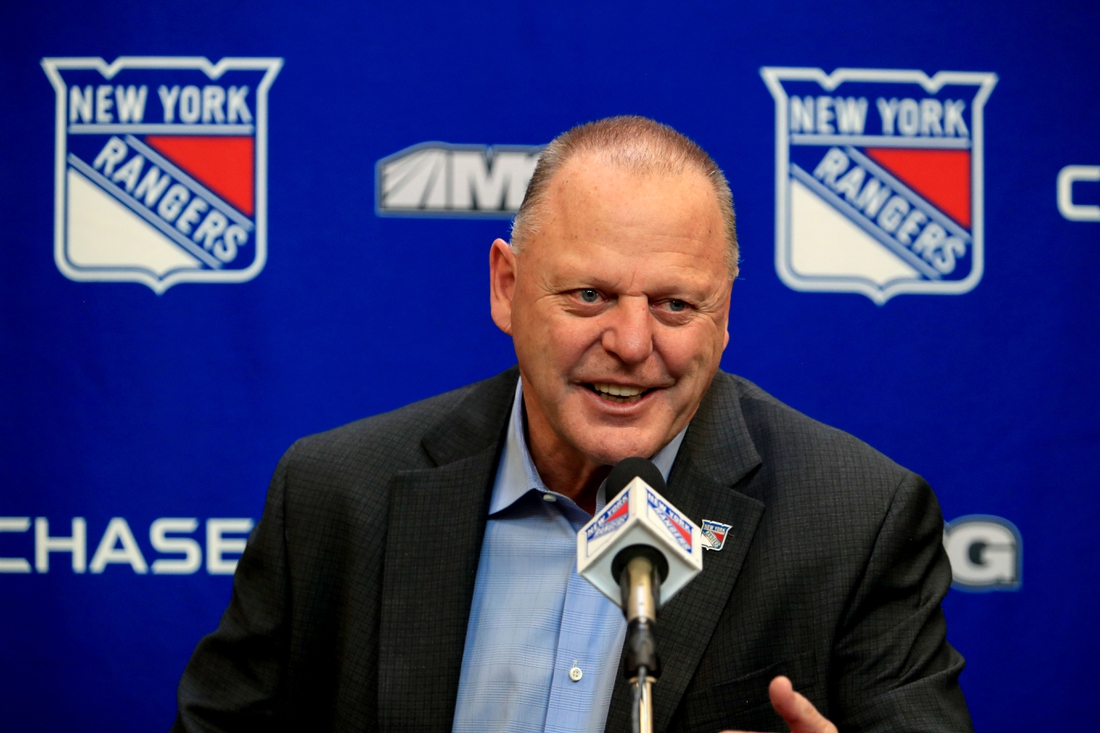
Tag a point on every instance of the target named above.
point(879, 180)
point(161, 168)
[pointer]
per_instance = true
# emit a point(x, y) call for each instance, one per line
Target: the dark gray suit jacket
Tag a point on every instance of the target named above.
point(350, 604)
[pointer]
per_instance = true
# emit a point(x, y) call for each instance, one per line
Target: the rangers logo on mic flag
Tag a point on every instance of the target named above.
point(679, 527)
point(611, 518)
point(879, 180)
point(638, 515)
point(161, 168)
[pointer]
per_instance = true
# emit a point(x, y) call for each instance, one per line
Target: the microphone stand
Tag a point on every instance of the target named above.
point(642, 716)
point(640, 584)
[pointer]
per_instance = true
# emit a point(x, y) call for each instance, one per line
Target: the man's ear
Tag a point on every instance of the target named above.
point(726, 324)
point(502, 284)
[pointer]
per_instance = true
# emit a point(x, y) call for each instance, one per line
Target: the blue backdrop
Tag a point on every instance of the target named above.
point(154, 364)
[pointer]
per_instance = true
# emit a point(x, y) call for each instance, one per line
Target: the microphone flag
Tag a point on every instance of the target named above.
point(639, 515)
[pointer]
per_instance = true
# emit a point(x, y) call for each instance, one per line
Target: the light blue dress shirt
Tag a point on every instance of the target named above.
point(533, 619)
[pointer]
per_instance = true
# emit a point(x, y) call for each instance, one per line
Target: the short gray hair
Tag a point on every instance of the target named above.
point(639, 144)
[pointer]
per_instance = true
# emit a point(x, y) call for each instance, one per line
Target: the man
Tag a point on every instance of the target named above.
point(414, 571)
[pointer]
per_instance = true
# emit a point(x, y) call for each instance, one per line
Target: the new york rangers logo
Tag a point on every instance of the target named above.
point(161, 168)
point(678, 527)
point(714, 534)
point(613, 516)
point(879, 180)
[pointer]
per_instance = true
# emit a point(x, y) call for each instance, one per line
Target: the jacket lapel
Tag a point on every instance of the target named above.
point(716, 458)
point(436, 523)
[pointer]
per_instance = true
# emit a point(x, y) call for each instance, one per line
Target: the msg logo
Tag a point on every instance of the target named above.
point(455, 181)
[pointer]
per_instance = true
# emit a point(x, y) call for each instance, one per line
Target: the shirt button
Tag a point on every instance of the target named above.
point(575, 673)
point(549, 497)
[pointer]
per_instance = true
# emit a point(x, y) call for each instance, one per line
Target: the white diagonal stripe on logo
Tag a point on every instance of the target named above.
point(836, 201)
point(130, 201)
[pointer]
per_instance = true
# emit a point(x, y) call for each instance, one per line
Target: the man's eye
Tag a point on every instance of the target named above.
point(588, 295)
point(676, 306)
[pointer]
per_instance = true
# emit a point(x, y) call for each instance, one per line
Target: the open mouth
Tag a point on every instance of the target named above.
point(618, 393)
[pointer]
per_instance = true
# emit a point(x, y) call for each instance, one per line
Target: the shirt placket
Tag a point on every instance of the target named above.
point(590, 640)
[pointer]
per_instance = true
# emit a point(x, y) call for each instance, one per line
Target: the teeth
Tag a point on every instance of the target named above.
point(623, 393)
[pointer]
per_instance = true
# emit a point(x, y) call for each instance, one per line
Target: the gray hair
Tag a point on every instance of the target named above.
point(638, 144)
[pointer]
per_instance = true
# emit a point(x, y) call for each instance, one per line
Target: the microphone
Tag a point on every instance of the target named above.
point(638, 522)
point(639, 552)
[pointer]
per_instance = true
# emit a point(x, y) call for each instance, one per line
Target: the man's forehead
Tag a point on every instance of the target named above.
point(592, 193)
point(598, 172)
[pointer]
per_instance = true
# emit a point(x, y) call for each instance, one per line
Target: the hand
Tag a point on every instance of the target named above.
point(800, 714)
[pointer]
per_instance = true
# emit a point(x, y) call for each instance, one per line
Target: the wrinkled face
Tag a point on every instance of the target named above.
point(618, 308)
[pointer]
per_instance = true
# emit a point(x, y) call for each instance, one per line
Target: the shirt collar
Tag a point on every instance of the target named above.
point(516, 472)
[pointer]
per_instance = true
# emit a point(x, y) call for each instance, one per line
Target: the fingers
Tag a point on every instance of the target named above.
point(798, 712)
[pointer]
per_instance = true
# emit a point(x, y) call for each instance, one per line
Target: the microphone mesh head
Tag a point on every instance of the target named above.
point(630, 468)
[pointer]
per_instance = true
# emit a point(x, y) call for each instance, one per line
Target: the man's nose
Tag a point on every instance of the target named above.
point(629, 332)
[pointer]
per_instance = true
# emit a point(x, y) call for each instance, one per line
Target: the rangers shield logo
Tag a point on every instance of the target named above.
point(161, 169)
point(714, 534)
point(879, 180)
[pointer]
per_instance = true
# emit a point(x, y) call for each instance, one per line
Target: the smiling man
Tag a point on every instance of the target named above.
point(616, 291)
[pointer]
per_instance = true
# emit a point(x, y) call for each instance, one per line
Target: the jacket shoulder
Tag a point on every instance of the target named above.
point(803, 452)
point(391, 438)
point(418, 435)
point(342, 476)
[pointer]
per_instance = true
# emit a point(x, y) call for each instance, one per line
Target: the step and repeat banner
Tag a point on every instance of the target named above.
point(228, 225)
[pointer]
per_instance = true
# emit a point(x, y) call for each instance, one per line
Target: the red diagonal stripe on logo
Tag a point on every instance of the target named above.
point(619, 512)
point(222, 164)
point(686, 534)
point(940, 176)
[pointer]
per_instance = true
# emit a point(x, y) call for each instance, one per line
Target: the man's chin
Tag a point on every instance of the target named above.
point(608, 450)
